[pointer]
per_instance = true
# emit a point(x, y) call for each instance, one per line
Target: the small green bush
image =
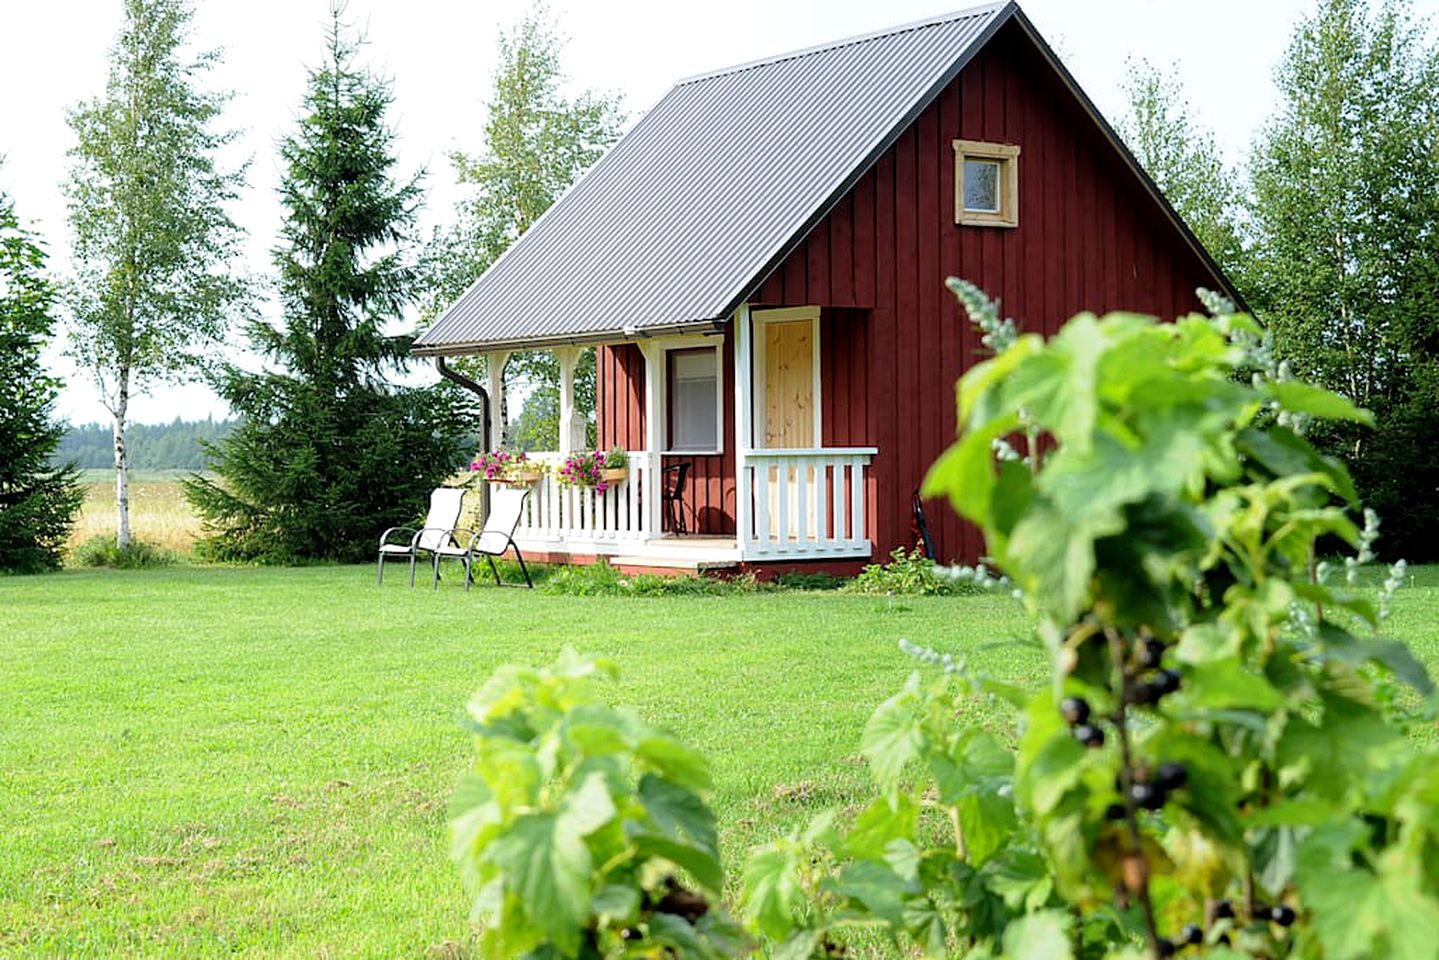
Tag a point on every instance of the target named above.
point(599, 579)
point(101, 551)
point(909, 574)
point(809, 581)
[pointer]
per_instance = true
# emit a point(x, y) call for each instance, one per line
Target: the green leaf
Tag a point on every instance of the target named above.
point(702, 864)
point(619, 904)
point(892, 736)
point(679, 813)
point(1283, 452)
point(676, 762)
point(548, 868)
point(1039, 936)
point(884, 820)
point(1227, 685)
point(588, 807)
point(772, 890)
point(676, 933)
point(1315, 401)
point(964, 473)
point(1053, 560)
point(878, 888)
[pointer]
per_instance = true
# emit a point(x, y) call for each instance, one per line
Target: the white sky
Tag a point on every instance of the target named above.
point(440, 56)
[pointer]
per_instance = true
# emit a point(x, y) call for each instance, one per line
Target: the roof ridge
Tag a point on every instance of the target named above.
point(977, 10)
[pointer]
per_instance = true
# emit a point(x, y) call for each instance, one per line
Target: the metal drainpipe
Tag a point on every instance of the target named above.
point(456, 377)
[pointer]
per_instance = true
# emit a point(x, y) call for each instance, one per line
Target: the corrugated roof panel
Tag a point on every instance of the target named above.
point(684, 215)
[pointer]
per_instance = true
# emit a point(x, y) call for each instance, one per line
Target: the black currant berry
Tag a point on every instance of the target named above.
point(1074, 710)
point(1224, 910)
point(1282, 915)
point(1091, 736)
point(1151, 652)
point(1144, 693)
point(1166, 947)
point(1146, 795)
point(1172, 776)
point(1165, 682)
point(1115, 811)
point(1191, 935)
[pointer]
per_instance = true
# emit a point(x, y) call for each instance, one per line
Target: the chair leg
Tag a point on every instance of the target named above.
point(494, 569)
point(412, 569)
point(523, 569)
point(435, 583)
point(469, 575)
point(380, 570)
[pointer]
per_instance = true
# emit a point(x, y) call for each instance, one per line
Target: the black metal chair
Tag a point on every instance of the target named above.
point(672, 497)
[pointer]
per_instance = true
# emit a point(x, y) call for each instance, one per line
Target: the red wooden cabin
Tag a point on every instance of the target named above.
point(760, 264)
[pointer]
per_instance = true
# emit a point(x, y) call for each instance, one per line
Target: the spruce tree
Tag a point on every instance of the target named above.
point(329, 451)
point(38, 501)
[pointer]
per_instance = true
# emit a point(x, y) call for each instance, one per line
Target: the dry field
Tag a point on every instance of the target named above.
point(159, 512)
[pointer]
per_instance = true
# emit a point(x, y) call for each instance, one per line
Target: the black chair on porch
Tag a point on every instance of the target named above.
point(672, 496)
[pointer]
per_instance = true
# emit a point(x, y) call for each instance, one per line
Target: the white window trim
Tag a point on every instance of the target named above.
point(784, 315)
point(662, 375)
point(1008, 156)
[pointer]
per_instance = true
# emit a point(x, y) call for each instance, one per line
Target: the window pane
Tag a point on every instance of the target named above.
point(981, 185)
point(694, 412)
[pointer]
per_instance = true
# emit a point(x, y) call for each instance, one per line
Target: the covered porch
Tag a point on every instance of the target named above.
point(723, 429)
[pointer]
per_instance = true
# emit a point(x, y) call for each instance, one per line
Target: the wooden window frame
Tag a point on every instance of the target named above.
point(670, 406)
point(1007, 155)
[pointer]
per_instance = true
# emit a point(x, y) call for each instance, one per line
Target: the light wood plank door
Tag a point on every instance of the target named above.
point(789, 359)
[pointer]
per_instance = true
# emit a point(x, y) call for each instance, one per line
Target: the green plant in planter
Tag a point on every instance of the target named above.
point(585, 832)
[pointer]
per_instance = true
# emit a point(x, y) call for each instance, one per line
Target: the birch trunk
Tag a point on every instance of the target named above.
point(122, 463)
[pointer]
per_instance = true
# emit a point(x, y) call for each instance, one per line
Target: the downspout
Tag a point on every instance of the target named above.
point(455, 376)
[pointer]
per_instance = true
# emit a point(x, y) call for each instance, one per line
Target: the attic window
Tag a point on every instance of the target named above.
point(986, 184)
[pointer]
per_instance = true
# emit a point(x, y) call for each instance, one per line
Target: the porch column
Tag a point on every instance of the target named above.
point(654, 434)
point(495, 383)
point(743, 425)
point(572, 425)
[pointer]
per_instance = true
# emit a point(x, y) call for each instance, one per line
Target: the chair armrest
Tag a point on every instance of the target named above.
point(386, 535)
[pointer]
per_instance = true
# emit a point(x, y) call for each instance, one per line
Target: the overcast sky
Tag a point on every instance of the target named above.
point(440, 55)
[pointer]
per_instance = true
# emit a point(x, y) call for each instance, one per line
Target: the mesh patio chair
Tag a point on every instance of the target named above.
point(437, 533)
point(507, 507)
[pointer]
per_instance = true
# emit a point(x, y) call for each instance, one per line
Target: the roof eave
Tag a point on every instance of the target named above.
point(625, 335)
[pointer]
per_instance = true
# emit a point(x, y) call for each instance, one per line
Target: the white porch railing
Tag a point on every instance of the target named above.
point(806, 503)
point(584, 515)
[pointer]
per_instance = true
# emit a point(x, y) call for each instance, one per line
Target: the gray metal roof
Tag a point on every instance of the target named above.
point(691, 209)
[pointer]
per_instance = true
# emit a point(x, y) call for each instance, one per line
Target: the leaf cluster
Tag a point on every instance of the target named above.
point(584, 831)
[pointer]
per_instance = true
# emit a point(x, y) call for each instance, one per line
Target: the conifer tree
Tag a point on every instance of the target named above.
point(330, 452)
point(37, 500)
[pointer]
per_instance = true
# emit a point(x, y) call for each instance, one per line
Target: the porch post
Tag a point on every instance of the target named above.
point(743, 425)
point(495, 371)
point(654, 434)
point(572, 425)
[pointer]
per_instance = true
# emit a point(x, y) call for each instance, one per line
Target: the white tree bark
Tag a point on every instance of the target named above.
point(122, 463)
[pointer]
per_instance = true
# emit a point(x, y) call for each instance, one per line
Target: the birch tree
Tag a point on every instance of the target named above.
point(153, 289)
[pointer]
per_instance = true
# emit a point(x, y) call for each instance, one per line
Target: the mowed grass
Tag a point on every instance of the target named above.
point(159, 512)
point(202, 760)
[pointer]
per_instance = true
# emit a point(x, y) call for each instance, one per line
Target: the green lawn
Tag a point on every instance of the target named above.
point(201, 761)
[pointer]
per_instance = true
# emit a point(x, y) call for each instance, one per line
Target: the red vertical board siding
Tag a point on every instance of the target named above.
point(1089, 238)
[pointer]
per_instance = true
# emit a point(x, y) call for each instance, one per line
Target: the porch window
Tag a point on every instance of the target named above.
point(694, 404)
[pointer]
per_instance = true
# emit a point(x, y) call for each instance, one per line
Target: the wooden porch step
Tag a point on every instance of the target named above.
point(654, 564)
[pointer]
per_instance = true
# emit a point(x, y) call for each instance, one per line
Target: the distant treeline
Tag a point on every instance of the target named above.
point(153, 446)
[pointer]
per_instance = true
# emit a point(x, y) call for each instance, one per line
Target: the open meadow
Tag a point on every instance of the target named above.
point(206, 760)
point(159, 513)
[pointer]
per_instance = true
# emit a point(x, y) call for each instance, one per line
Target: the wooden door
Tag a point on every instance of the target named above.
point(789, 359)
